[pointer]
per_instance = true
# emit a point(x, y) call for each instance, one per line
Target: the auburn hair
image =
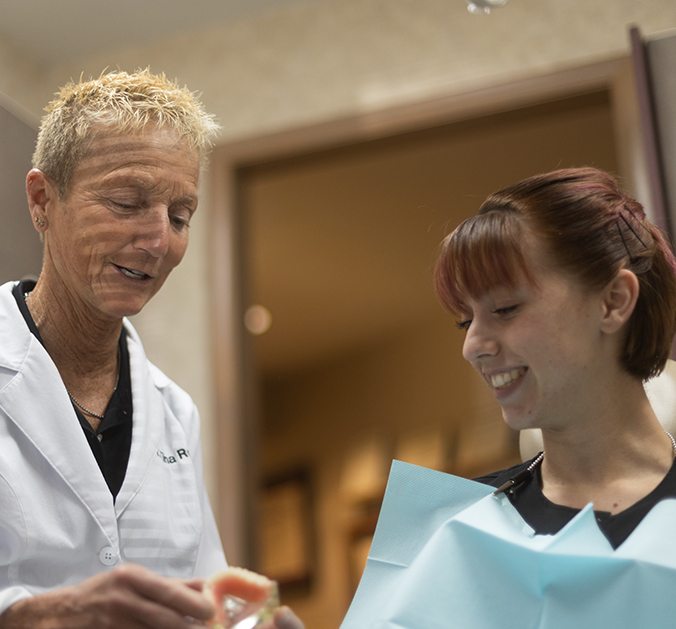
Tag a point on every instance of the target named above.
point(591, 229)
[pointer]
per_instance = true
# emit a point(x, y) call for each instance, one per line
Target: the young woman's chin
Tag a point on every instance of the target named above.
point(519, 419)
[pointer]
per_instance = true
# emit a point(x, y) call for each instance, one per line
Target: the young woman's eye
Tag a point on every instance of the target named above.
point(505, 310)
point(464, 324)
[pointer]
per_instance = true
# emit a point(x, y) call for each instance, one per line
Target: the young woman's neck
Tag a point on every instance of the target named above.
point(617, 428)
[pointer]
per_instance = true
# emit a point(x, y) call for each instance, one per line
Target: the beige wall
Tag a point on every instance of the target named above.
point(20, 248)
point(21, 84)
point(314, 61)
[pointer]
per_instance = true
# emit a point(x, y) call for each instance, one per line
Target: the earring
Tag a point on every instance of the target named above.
point(40, 222)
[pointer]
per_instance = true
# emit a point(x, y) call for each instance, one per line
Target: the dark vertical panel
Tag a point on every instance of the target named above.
point(654, 63)
point(20, 248)
point(661, 53)
point(649, 130)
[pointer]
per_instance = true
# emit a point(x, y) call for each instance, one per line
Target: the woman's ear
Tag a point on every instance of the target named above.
point(619, 300)
point(39, 192)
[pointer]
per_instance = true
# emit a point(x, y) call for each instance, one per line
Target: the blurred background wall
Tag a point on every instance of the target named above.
point(356, 133)
point(20, 249)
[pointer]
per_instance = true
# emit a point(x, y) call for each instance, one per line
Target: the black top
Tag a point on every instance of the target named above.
point(111, 443)
point(545, 517)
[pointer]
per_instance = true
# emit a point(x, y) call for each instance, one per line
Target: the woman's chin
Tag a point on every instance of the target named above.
point(118, 309)
point(518, 420)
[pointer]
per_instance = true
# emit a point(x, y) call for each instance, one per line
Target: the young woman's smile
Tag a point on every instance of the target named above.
point(503, 382)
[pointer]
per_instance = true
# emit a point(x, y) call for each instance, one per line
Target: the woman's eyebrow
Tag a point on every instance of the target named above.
point(129, 179)
point(189, 201)
point(147, 184)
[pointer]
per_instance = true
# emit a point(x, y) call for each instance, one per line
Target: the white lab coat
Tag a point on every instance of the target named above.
point(58, 522)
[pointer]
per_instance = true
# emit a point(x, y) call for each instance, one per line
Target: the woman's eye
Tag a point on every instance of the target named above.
point(506, 310)
point(180, 222)
point(126, 206)
point(463, 325)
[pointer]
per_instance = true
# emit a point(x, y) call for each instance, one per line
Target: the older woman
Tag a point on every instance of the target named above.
point(104, 518)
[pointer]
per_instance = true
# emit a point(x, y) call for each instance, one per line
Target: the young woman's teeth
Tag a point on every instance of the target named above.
point(137, 275)
point(500, 380)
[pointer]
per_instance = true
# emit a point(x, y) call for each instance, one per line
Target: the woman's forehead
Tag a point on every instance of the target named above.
point(484, 253)
point(103, 140)
point(152, 150)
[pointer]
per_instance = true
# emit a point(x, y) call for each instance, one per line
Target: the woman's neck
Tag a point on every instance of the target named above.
point(611, 457)
point(79, 342)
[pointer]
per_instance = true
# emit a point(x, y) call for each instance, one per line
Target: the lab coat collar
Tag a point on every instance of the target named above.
point(147, 430)
point(31, 384)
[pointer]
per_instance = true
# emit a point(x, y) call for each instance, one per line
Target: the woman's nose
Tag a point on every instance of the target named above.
point(154, 232)
point(480, 342)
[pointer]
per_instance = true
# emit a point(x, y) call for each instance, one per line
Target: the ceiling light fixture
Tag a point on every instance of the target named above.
point(484, 6)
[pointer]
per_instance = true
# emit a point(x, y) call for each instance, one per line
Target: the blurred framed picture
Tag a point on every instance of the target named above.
point(286, 530)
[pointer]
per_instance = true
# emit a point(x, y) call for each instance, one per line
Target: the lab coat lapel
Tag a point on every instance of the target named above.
point(147, 421)
point(33, 397)
point(37, 402)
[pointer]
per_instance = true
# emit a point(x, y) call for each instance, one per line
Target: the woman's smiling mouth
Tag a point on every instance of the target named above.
point(131, 273)
point(503, 379)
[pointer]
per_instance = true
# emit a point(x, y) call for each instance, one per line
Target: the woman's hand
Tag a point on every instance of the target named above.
point(283, 618)
point(129, 596)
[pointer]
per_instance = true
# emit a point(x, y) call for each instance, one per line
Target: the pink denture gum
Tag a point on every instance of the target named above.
point(242, 598)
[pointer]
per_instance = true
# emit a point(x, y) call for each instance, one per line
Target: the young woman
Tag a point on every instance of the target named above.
point(567, 295)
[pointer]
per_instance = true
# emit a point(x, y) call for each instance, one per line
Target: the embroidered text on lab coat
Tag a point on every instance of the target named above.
point(181, 453)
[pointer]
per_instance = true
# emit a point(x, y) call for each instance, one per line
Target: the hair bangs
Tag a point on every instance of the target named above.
point(483, 252)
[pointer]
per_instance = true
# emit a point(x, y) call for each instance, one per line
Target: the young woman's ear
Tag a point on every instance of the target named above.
point(619, 300)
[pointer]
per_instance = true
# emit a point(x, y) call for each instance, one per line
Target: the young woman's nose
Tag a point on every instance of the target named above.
point(480, 342)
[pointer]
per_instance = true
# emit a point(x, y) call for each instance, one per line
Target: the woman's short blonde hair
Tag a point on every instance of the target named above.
point(120, 102)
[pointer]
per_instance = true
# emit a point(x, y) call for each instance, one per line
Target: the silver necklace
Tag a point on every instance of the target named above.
point(509, 485)
point(673, 442)
point(88, 411)
point(84, 409)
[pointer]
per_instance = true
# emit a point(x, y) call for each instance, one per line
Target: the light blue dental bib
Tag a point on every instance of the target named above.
point(448, 554)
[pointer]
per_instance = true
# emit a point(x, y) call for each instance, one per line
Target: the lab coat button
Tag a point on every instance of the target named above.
point(108, 556)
